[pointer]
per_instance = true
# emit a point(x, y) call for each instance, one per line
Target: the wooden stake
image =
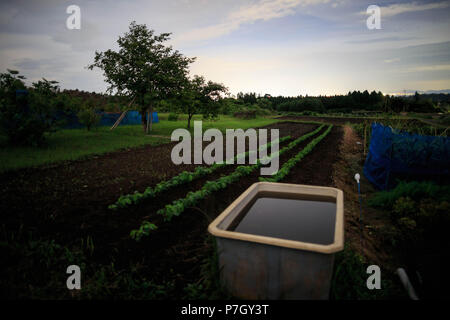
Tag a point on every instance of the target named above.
point(121, 116)
point(365, 127)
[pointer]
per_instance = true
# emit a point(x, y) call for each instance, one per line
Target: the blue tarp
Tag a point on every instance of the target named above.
point(109, 118)
point(393, 154)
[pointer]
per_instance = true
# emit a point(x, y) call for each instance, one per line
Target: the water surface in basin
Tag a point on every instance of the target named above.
point(299, 218)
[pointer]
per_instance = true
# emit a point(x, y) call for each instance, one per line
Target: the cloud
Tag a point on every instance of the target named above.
point(391, 60)
point(382, 39)
point(437, 67)
point(263, 10)
point(395, 9)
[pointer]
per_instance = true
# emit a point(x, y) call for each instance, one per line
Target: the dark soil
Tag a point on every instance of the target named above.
point(332, 120)
point(67, 203)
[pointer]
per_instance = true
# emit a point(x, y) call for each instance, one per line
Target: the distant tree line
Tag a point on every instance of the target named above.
point(351, 102)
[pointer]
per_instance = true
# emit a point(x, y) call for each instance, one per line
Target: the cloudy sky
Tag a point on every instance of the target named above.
point(286, 47)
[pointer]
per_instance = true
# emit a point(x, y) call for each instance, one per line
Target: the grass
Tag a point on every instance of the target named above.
point(224, 122)
point(73, 144)
point(350, 276)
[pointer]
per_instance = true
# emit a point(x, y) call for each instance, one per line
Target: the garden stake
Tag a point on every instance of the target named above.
point(357, 178)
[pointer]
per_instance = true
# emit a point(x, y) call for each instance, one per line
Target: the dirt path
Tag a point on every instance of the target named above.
point(351, 161)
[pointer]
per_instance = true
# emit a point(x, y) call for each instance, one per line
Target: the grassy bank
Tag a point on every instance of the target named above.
point(78, 143)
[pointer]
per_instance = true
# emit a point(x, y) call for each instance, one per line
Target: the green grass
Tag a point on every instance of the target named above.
point(224, 122)
point(78, 143)
point(350, 276)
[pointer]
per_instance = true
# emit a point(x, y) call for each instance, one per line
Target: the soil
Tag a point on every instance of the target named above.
point(350, 162)
point(68, 203)
point(332, 120)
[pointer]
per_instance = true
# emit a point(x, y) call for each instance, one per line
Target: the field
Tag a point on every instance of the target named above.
point(71, 212)
point(74, 144)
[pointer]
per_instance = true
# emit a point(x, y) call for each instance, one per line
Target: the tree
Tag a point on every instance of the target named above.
point(88, 116)
point(199, 96)
point(143, 69)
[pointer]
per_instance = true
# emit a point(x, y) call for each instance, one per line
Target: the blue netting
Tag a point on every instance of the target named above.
point(107, 119)
point(393, 154)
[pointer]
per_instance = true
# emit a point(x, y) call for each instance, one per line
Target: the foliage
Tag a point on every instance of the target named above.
point(199, 96)
point(237, 108)
point(349, 279)
point(143, 68)
point(26, 115)
point(413, 190)
point(192, 198)
point(209, 285)
point(356, 100)
point(303, 104)
point(420, 216)
point(180, 179)
point(144, 230)
point(173, 117)
point(178, 206)
point(88, 117)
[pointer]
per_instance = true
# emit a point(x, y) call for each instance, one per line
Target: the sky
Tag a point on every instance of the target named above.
point(280, 47)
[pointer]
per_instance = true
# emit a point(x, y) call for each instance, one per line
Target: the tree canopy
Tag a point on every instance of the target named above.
point(144, 68)
point(199, 96)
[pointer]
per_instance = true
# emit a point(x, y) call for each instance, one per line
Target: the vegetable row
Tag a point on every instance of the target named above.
point(288, 165)
point(180, 179)
point(192, 198)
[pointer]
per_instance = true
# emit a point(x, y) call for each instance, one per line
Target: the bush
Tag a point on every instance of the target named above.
point(414, 190)
point(26, 115)
point(173, 117)
point(88, 117)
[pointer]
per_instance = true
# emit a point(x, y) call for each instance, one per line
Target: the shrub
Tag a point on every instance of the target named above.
point(173, 117)
point(404, 207)
point(26, 115)
point(414, 190)
point(88, 117)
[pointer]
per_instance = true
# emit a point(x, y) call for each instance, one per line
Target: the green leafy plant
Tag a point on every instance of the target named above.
point(192, 198)
point(144, 230)
point(413, 189)
point(288, 165)
point(178, 206)
point(180, 179)
point(26, 114)
point(88, 117)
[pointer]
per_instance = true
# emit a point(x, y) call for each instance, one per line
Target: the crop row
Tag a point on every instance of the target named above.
point(192, 198)
point(182, 178)
point(288, 165)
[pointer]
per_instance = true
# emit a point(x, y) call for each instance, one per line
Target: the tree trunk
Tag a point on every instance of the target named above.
point(189, 121)
point(144, 126)
point(151, 117)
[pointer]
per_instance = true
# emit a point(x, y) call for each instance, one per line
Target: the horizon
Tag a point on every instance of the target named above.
point(280, 47)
